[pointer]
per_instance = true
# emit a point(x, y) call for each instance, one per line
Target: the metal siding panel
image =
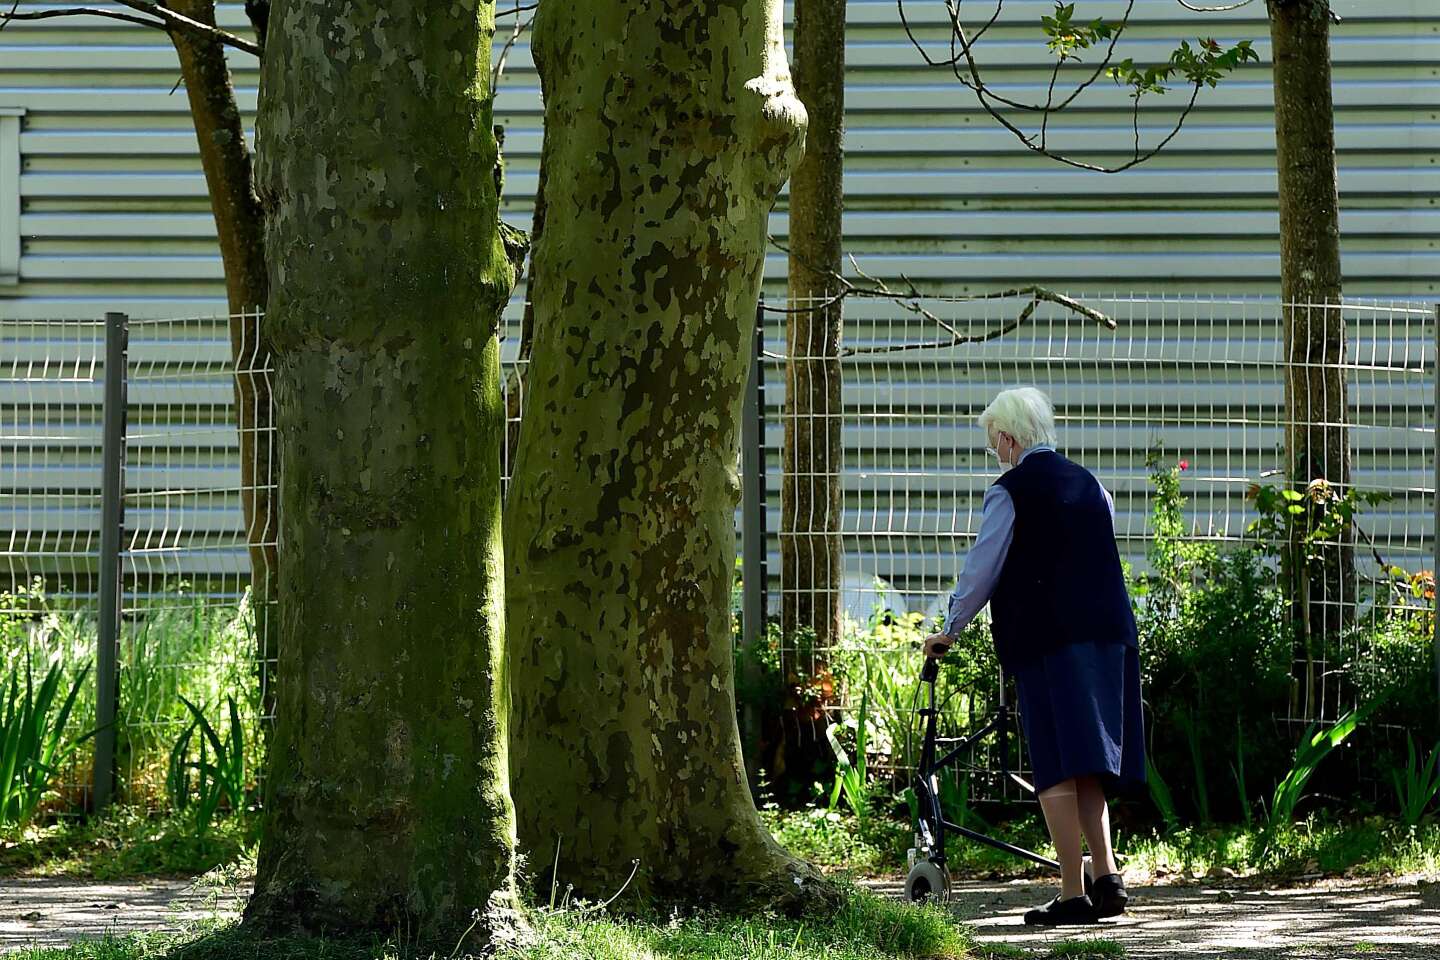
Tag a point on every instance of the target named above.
point(111, 198)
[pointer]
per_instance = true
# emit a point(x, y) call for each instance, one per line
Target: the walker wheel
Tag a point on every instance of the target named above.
point(927, 881)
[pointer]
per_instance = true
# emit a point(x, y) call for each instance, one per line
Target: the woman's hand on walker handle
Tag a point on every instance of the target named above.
point(938, 644)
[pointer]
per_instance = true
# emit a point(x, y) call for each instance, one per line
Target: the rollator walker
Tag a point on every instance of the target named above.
point(929, 876)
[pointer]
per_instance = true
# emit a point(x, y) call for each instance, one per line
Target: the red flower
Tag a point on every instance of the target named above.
point(1184, 464)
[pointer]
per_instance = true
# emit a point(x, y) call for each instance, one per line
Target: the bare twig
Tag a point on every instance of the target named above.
point(518, 9)
point(163, 19)
point(903, 300)
point(520, 27)
point(1223, 9)
point(52, 13)
point(911, 301)
point(963, 65)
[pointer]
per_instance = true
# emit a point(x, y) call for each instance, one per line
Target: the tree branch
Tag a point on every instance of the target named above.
point(1222, 9)
point(910, 301)
point(520, 27)
point(164, 19)
point(963, 65)
point(77, 12)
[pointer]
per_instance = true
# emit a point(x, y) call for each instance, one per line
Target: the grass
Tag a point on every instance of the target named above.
point(865, 927)
point(185, 646)
point(1370, 847)
point(1056, 950)
point(127, 842)
point(1086, 948)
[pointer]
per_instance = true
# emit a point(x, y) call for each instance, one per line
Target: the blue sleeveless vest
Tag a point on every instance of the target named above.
point(1062, 582)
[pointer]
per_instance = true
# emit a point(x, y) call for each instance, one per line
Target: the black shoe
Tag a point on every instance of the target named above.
point(1063, 913)
point(1109, 896)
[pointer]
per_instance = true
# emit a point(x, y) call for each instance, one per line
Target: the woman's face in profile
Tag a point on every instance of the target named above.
point(1003, 447)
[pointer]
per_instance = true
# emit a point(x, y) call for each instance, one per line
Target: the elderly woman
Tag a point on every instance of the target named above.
point(1045, 560)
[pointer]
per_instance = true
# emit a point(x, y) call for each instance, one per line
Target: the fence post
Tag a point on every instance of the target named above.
point(112, 519)
point(752, 531)
point(1435, 530)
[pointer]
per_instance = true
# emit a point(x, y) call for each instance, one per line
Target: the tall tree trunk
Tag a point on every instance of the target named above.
point(670, 127)
point(810, 493)
point(387, 806)
point(1316, 442)
point(811, 559)
point(239, 224)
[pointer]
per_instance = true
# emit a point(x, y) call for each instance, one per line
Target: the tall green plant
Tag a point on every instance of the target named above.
point(1419, 784)
point(1237, 770)
point(217, 776)
point(850, 773)
point(33, 746)
point(1197, 755)
point(1315, 745)
point(1160, 795)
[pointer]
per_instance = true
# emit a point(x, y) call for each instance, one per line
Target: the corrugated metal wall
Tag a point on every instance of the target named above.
point(114, 214)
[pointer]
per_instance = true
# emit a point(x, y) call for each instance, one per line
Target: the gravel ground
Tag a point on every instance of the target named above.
point(1397, 919)
point(46, 912)
point(1332, 920)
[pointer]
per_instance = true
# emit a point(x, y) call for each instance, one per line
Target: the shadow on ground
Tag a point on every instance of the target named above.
point(1331, 920)
point(36, 911)
point(1397, 920)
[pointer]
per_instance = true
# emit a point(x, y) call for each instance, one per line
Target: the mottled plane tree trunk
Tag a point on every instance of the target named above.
point(670, 127)
point(387, 804)
point(1316, 441)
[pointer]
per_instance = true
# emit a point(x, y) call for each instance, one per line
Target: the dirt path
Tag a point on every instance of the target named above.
point(1398, 920)
point(44, 912)
point(1341, 919)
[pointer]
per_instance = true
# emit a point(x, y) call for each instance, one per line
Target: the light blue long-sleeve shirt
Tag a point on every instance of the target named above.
point(987, 554)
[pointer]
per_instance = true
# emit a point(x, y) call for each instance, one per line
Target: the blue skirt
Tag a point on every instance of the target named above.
point(1081, 713)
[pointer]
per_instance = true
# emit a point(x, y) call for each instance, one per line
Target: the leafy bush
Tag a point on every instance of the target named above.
point(1215, 651)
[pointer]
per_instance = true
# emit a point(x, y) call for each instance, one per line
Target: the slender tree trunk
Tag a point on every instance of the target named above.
point(811, 559)
point(1316, 440)
point(670, 127)
point(388, 806)
point(239, 224)
point(810, 493)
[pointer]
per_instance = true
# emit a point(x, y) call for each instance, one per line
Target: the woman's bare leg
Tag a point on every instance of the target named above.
point(1062, 815)
point(1095, 822)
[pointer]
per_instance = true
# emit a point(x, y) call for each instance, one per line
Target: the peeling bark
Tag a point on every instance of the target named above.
point(387, 798)
point(239, 225)
point(1316, 442)
point(670, 127)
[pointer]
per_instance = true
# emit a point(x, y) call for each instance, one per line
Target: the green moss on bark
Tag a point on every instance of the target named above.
point(669, 133)
point(388, 805)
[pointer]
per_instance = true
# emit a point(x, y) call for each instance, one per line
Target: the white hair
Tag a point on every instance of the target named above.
point(1023, 412)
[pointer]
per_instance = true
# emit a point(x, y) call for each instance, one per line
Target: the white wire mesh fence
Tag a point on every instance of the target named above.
point(51, 381)
point(201, 520)
point(1181, 410)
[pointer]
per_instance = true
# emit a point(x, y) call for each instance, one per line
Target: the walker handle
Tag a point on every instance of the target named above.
point(931, 671)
